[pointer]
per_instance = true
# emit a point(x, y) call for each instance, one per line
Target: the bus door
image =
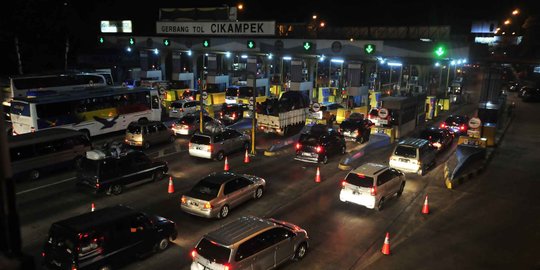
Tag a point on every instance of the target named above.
point(156, 106)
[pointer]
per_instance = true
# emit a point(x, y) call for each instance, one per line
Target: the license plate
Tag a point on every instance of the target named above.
point(306, 154)
point(404, 160)
point(383, 122)
point(174, 111)
point(198, 148)
point(132, 143)
point(193, 203)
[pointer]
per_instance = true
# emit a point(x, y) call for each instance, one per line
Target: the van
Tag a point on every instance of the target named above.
point(46, 150)
point(105, 239)
point(144, 133)
point(217, 145)
point(250, 243)
point(413, 155)
point(181, 108)
point(371, 185)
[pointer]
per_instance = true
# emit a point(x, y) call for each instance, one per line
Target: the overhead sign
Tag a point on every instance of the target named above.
point(204, 95)
point(383, 113)
point(250, 28)
point(475, 122)
point(116, 26)
point(316, 107)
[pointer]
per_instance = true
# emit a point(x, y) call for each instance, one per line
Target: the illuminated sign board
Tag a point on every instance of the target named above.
point(249, 28)
point(116, 26)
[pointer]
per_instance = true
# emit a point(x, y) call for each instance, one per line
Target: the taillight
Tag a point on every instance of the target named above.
point(181, 110)
point(233, 115)
point(73, 267)
point(189, 145)
point(43, 254)
point(462, 127)
point(173, 125)
point(97, 185)
point(183, 200)
point(343, 183)
point(227, 267)
point(210, 148)
point(443, 125)
point(298, 146)
point(356, 133)
point(207, 205)
point(319, 149)
point(193, 253)
point(373, 191)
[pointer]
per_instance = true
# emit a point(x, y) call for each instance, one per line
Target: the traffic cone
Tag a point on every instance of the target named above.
point(425, 208)
point(171, 186)
point(226, 166)
point(386, 246)
point(93, 207)
point(246, 157)
point(318, 175)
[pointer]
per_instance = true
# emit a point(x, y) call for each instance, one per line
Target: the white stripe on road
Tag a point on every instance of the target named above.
point(46, 186)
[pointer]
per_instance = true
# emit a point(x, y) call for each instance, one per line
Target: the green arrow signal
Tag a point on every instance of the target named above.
point(251, 44)
point(166, 42)
point(307, 45)
point(101, 40)
point(440, 51)
point(206, 43)
point(131, 41)
point(369, 49)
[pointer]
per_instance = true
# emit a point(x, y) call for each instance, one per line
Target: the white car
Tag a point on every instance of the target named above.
point(181, 108)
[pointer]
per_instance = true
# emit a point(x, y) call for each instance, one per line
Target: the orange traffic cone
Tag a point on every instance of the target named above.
point(226, 166)
point(171, 186)
point(93, 207)
point(318, 175)
point(246, 157)
point(386, 246)
point(425, 208)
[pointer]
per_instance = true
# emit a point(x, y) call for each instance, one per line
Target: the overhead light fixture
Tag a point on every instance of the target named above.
point(395, 64)
point(244, 56)
point(288, 58)
point(189, 52)
point(228, 54)
point(335, 60)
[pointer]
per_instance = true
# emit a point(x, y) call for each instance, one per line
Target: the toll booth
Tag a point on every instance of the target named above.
point(263, 87)
point(182, 80)
point(326, 95)
point(431, 107)
point(490, 114)
point(404, 114)
point(215, 87)
point(151, 75)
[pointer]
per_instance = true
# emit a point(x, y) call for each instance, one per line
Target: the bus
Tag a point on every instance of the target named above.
point(95, 111)
point(34, 85)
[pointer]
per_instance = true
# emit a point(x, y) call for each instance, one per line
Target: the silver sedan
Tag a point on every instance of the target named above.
point(214, 195)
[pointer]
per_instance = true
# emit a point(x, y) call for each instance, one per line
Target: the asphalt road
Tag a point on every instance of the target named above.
point(342, 236)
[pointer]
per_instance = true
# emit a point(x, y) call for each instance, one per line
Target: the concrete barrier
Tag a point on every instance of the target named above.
point(375, 141)
point(281, 146)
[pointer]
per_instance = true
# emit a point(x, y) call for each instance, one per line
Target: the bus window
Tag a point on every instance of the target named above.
point(20, 108)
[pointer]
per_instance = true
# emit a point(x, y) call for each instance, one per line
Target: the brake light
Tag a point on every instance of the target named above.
point(298, 146)
point(233, 115)
point(43, 254)
point(343, 182)
point(193, 253)
point(356, 133)
point(227, 267)
point(462, 127)
point(443, 125)
point(319, 149)
point(373, 191)
point(181, 110)
point(210, 148)
point(189, 145)
point(183, 200)
point(97, 185)
point(207, 205)
point(166, 95)
point(73, 267)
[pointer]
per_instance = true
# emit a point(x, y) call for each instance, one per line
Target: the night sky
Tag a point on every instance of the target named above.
point(43, 25)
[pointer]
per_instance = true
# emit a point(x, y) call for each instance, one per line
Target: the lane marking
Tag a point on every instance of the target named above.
point(45, 186)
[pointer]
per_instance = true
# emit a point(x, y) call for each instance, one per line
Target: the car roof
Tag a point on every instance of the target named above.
point(370, 169)
point(97, 218)
point(236, 231)
point(220, 177)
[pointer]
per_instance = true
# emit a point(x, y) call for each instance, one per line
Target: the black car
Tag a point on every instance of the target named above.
point(439, 138)
point(318, 143)
point(105, 239)
point(356, 128)
point(457, 124)
point(103, 171)
point(530, 94)
point(232, 113)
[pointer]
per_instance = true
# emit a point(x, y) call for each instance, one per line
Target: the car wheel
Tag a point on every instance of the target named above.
point(220, 156)
point(343, 150)
point(146, 145)
point(380, 204)
point(224, 212)
point(116, 189)
point(34, 174)
point(158, 175)
point(163, 244)
point(401, 188)
point(325, 159)
point(259, 193)
point(300, 252)
point(172, 139)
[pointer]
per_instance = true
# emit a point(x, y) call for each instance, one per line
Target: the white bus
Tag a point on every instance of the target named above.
point(95, 111)
point(39, 84)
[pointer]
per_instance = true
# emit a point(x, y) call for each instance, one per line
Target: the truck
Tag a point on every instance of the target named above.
point(279, 115)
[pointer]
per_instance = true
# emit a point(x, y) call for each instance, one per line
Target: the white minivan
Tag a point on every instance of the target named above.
point(413, 155)
point(371, 184)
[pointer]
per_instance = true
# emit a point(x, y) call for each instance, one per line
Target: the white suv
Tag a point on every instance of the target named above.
point(371, 185)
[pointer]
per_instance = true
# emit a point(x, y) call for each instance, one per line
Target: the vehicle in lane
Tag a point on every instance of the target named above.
point(371, 184)
point(217, 145)
point(457, 124)
point(180, 108)
point(318, 143)
point(106, 239)
point(101, 171)
point(216, 194)
point(413, 155)
point(232, 113)
point(439, 138)
point(190, 124)
point(145, 133)
point(356, 128)
point(330, 111)
point(530, 94)
point(250, 243)
point(34, 153)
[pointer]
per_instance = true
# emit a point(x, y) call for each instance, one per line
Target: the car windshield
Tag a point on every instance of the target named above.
point(176, 105)
point(431, 135)
point(199, 139)
point(405, 151)
point(205, 187)
point(213, 252)
point(359, 180)
point(134, 129)
point(455, 119)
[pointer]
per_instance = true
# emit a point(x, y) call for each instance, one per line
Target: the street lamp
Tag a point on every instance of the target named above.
point(515, 12)
point(507, 22)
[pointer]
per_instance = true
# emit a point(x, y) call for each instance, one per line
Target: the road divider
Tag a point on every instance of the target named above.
point(375, 141)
